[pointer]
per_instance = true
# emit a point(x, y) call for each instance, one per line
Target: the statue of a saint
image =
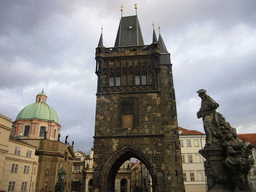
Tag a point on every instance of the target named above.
point(208, 113)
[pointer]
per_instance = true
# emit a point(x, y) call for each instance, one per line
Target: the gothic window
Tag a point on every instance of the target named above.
point(42, 131)
point(118, 79)
point(112, 80)
point(26, 132)
point(144, 78)
point(137, 79)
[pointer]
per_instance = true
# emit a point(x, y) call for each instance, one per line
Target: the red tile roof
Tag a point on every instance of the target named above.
point(251, 137)
point(190, 132)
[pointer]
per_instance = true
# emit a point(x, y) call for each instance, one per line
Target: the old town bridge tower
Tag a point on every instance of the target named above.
point(136, 110)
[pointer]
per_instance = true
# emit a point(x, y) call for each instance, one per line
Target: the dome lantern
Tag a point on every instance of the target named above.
point(41, 97)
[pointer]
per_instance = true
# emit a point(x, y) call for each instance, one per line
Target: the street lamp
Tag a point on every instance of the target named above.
point(59, 187)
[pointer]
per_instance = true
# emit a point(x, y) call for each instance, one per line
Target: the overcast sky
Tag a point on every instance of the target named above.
point(51, 44)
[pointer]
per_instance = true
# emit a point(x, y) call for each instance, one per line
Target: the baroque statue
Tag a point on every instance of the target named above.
point(228, 159)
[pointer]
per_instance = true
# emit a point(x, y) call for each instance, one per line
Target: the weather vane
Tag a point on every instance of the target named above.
point(135, 8)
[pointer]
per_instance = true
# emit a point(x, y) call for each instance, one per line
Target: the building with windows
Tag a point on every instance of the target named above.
point(18, 161)
point(191, 142)
point(251, 139)
point(31, 154)
point(78, 171)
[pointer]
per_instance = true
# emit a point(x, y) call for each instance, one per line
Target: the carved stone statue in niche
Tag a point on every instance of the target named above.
point(228, 158)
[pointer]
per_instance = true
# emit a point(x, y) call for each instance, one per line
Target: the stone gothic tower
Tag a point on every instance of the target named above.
point(136, 110)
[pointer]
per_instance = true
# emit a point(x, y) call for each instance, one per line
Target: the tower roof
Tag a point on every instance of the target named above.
point(162, 44)
point(164, 54)
point(129, 32)
point(100, 44)
point(38, 110)
point(154, 40)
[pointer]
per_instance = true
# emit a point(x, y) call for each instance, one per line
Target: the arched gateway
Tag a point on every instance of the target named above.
point(136, 110)
point(111, 167)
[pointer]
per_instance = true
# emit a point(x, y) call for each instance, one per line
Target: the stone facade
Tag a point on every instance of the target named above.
point(136, 116)
point(53, 155)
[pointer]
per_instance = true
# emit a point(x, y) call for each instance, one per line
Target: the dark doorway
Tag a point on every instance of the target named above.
point(90, 185)
point(123, 185)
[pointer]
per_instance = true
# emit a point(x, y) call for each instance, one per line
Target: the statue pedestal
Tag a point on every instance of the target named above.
point(217, 176)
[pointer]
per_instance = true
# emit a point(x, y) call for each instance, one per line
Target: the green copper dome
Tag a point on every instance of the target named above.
point(39, 110)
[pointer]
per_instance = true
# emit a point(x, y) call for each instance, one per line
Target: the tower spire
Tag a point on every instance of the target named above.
point(100, 44)
point(154, 34)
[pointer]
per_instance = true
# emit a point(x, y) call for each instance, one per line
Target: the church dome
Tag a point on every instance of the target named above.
point(39, 110)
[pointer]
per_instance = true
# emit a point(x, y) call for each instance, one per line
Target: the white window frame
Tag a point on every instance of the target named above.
point(188, 143)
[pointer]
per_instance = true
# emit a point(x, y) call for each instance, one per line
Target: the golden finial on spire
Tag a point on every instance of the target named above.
point(122, 10)
point(101, 28)
point(159, 26)
point(153, 24)
point(136, 7)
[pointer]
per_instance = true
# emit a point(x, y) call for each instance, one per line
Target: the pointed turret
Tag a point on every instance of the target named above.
point(100, 44)
point(129, 32)
point(154, 37)
point(165, 55)
point(162, 44)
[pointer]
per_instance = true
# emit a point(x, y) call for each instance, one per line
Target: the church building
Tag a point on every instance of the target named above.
point(37, 126)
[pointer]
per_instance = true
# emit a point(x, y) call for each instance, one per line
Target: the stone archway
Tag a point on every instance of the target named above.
point(113, 164)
